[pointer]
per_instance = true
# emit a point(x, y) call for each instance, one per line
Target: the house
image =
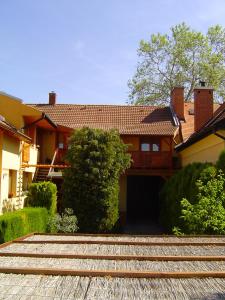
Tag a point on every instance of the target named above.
point(18, 148)
point(12, 181)
point(152, 133)
point(207, 139)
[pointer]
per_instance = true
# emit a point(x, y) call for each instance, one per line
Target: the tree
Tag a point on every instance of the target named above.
point(91, 185)
point(207, 216)
point(182, 58)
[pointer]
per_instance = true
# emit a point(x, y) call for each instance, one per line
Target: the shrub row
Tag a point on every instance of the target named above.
point(21, 222)
point(195, 188)
point(181, 185)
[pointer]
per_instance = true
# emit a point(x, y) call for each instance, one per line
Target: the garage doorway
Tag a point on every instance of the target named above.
point(143, 198)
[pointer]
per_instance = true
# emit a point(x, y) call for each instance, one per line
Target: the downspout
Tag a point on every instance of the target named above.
point(21, 172)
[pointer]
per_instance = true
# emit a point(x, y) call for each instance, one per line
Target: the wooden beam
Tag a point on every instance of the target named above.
point(114, 257)
point(132, 235)
point(45, 166)
point(113, 273)
point(133, 243)
point(16, 240)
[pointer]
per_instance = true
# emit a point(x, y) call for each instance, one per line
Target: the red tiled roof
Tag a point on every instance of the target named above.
point(187, 126)
point(140, 120)
point(215, 123)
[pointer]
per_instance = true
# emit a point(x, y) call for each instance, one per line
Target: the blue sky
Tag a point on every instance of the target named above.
point(85, 50)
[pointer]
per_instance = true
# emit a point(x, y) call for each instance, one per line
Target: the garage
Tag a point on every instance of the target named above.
point(143, 198)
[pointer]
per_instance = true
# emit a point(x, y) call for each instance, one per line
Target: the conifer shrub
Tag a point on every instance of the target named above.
point(42, 194)
point(21, 222)
point(179, 186)
point(91, 185)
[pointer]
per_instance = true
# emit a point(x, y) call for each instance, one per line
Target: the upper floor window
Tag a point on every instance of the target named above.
point(150, 144)
point(155, 147)
point(145, 147)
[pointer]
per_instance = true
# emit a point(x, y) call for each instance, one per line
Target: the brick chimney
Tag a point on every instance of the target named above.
point(177, 101)
point(52, 98)
point(203, 105)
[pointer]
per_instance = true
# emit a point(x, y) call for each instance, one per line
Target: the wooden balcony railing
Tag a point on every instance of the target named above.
point(151, 160)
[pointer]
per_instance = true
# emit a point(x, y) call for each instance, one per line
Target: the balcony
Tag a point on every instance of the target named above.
point(151, 160)
point(60, 156)
point(58, 164)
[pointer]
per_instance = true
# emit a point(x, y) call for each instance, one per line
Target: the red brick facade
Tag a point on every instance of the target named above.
point(177, 101)
point(203, 106)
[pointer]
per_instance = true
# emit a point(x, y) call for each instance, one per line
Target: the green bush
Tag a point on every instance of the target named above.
point(91, 185)
point(42, 194)
point(64, 223)
point(181, 185)
point(21, 222)
point(207, 215)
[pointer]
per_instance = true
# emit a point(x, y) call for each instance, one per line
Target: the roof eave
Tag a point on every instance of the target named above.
point(17, 134)
point(204, 133)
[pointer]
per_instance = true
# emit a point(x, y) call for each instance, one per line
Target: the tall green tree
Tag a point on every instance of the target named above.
point(181, 58)
point(91, 185)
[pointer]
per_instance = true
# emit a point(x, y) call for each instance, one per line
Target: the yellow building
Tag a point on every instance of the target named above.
point(203, 148)
point(207, 140)
point(19, 125)
point(12, 179)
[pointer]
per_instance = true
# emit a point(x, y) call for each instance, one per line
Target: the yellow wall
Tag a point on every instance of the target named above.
point(4, 184)
point(13, 110)
point(10, 153)
point(11, 150)
point(206, 150)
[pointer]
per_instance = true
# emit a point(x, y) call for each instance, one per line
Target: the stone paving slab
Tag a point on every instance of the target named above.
point(124, 238)
point(97, 249)
point(46, 287)
point(101, 264)
point(39, 287)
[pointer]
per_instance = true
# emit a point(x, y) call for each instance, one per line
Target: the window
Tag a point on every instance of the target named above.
point(155, 147)
point(27, 180)
point(145, 147)
point(150, 144)
point(12, 183)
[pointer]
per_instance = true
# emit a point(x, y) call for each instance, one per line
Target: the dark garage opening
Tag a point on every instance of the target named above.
point(143, 198)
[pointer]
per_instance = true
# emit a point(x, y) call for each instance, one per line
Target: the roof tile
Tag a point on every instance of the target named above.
point(141, 120)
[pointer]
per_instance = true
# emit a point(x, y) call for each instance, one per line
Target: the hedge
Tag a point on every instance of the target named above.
point(43, 194)
point(21, 222)
point(179, 186)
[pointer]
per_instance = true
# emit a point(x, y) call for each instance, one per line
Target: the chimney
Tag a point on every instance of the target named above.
point(203, 105)
point(52, 98)
point(177, 101)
